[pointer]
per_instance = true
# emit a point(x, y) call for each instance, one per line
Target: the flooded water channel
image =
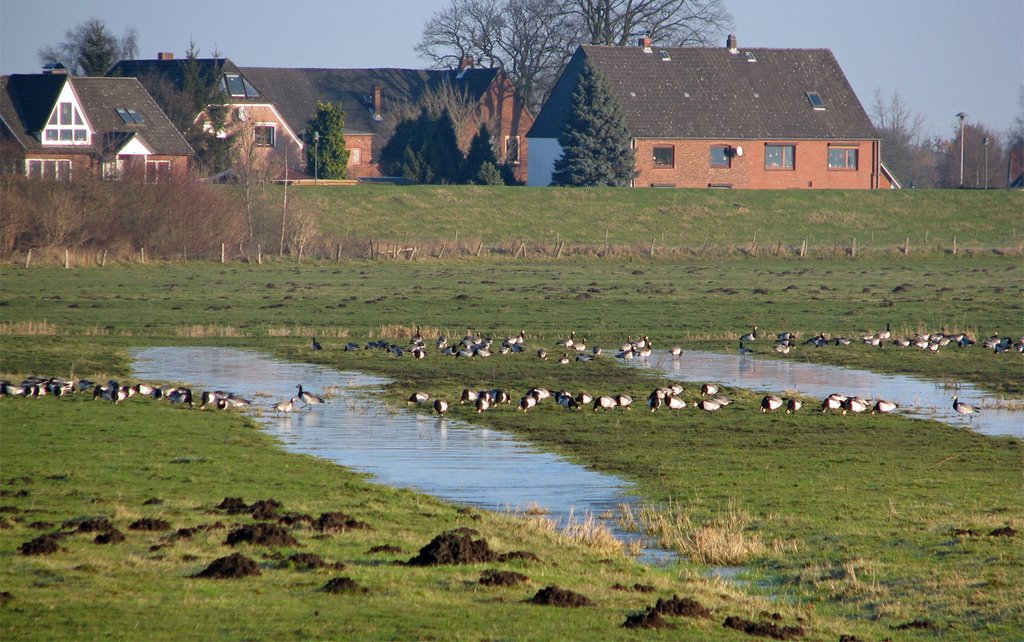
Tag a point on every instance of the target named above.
point(473, 466)
point(917, 397)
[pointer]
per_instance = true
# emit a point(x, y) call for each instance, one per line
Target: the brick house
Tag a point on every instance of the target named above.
point(282, 100)
point(53, 125)
point(709, 117)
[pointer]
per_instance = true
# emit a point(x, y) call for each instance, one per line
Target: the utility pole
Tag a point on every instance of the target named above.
point(962, 116)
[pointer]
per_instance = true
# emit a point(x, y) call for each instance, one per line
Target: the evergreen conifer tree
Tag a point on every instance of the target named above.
point(595, 143)
point(329, 122)
point(481, 152)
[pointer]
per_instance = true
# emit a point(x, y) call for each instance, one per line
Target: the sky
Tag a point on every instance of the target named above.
point(942, 56)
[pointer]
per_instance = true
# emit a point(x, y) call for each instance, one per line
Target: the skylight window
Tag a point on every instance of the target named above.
point(665, 56)
point(816, 102)
point(129, 116)
point(234, 85)
point(751, 57)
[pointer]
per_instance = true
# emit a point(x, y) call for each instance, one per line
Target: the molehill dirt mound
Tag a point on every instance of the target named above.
point(42, 545)
point(5, 597)
point(232, 566)
point(296, 519)
point(265, 509)
point(502, 578)
point(310, 562)
point(189, 532)
point(638, 588)
point(684, 607)
point(1005, 531)
point(113, 536)
point(557, 596)
point(88, 524)
point(262, 534)
point(926, 625)
point(849, 638)
point(233, 505)
point(149, 524)
point(649, 619)
point(344, 585)
point(763, 629)
point(465, 530)
point(522, 556)
point(385, 548)
point(41, 526)
point(153, 501)
point(454, 548)
point(339, 522)
point(4, 523)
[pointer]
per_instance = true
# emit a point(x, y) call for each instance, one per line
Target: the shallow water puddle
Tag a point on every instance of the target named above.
point(474, 466)
point(917, 397)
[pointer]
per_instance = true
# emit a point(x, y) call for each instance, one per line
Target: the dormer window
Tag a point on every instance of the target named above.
point(65, 126)
point(238, 87)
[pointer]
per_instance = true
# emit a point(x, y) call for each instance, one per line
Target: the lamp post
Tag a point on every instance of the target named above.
point(962, 116)
point(316, 160)
point(984, 141)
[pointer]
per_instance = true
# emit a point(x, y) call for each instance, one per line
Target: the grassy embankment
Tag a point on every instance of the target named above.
point(855, 516)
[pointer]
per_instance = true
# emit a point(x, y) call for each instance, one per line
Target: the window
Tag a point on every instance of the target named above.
point(512, 150)
point(65, 113)
point(158, 171)
point(129, 116)
point(842, 157)
point(816, 101)
point(65, 126)
point(779, 156)
point(264, 135)
point(355, 156)
point(234, 84)
point(720, 156)
point(51, 169)
point(665, 156)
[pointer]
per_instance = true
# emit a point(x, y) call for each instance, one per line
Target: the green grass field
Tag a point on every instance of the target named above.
point(856, 525)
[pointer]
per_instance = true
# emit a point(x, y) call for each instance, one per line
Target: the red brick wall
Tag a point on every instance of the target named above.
point(692, 166)
point(361, 162)
point(505, 115)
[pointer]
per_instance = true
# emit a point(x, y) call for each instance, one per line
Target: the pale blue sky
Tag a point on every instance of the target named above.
point(944, 56)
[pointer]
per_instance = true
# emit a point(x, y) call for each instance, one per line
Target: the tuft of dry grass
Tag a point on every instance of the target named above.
point(329, 332)
point(199, 331)
point(397, 331)
point(28, 328)
point(592, 533)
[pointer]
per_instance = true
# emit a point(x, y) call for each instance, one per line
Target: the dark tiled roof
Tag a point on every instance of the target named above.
point(173, 70)
point(295, 92)
point(27, 100)
point(701, 92)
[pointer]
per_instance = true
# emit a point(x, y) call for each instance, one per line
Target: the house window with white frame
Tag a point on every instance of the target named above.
point(512, 150)
point(158, 171)
point(264, 135)
point(49, 168)
point(65, 126)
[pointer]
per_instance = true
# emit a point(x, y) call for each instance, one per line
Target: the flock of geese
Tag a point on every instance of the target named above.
point(932, 341)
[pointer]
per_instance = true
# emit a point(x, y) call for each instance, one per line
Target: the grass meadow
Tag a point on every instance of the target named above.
point(869, 526)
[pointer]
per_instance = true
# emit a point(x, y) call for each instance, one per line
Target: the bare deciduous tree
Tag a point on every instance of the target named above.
point(906, 150)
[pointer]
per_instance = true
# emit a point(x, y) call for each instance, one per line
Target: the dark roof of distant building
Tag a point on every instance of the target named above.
point(706, 92)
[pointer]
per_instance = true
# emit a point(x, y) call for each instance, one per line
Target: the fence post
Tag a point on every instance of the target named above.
point(300, 252)
point(558, 250)
point(259, 254)
point(954, 246)
point(906, 246)
point(444, 246)
point(142, 255)
point(480, 248)
point(653, 241)
point(67, 259)
point(853, 248)
point(103, 261)
point(339, 254)
point(28, 258)
point(221, 252)
point(753, 245)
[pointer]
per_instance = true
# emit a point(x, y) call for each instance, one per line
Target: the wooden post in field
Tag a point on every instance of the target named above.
point(300, 251)
point(558, 250)
point(906, 246)
point(142, 255)
point(520, 250)
point(222, 253)
point(653, 241)
point(778, 248)
point(456, 235)
point(954, 246)
point(103, 261)
point(444, 246)
point(28, 257)
point(480, 248)
point(753, 245)
point(853, 248)
point(803, 248)
point(338, 260)
point(67, 259)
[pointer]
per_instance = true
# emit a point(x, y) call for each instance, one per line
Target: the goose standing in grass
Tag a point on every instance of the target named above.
point(308, 397)
point(673, 402)
point(564, 359)
point(527, 402)
point(884, 407)
point(604, 403)
point(542, 354)
point(440, 406)
point(707, 405)
point(655, 400)
point(623, 401)
point(315, 345)
point(568, 342)
point(792, 405)
point(708, 389)
point(833, 402)
point(482, 404)
point(771, 403)
point(856, 405)
point(468, 396)
point(964, 409)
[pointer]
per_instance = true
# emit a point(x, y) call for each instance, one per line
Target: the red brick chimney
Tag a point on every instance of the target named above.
point(165, 55)
point(644, 43)
point(376, 102)
point(730, 44)
point(465, 62)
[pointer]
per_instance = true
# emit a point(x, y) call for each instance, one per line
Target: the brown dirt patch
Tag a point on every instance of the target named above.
point(522, 556)
point(88, 524)
point(502, 578)
point(113, 536)
point(262, 534)
point(344, 585)
point(926, 625)
point(310, 562)
point(966, 532)
point(386, 548)
point(296, 519)
point(5, 597)
point(557, 596)
point(339, 522)
point(763, 629)
point(1005, 531)
point(41, 526)
point(849, 638)
point(454, 547)
point(149, 524)
point(153, 501)
point(188, 533)
point(649, 619)
point(42, 545)
point(232, 566)
point(233, 505)
point(265, 509)
point(639, 588)
point(684, 607)
point(4, 523)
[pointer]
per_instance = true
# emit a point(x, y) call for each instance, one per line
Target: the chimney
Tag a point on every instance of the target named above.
point(55, 68)
point(376, 102)
point(165, 55)
point(465, 62)
point(730, 44)
point(645, 43)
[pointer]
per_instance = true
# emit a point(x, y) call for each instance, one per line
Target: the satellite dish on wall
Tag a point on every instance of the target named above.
point(243, 115)
point(739, 150)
